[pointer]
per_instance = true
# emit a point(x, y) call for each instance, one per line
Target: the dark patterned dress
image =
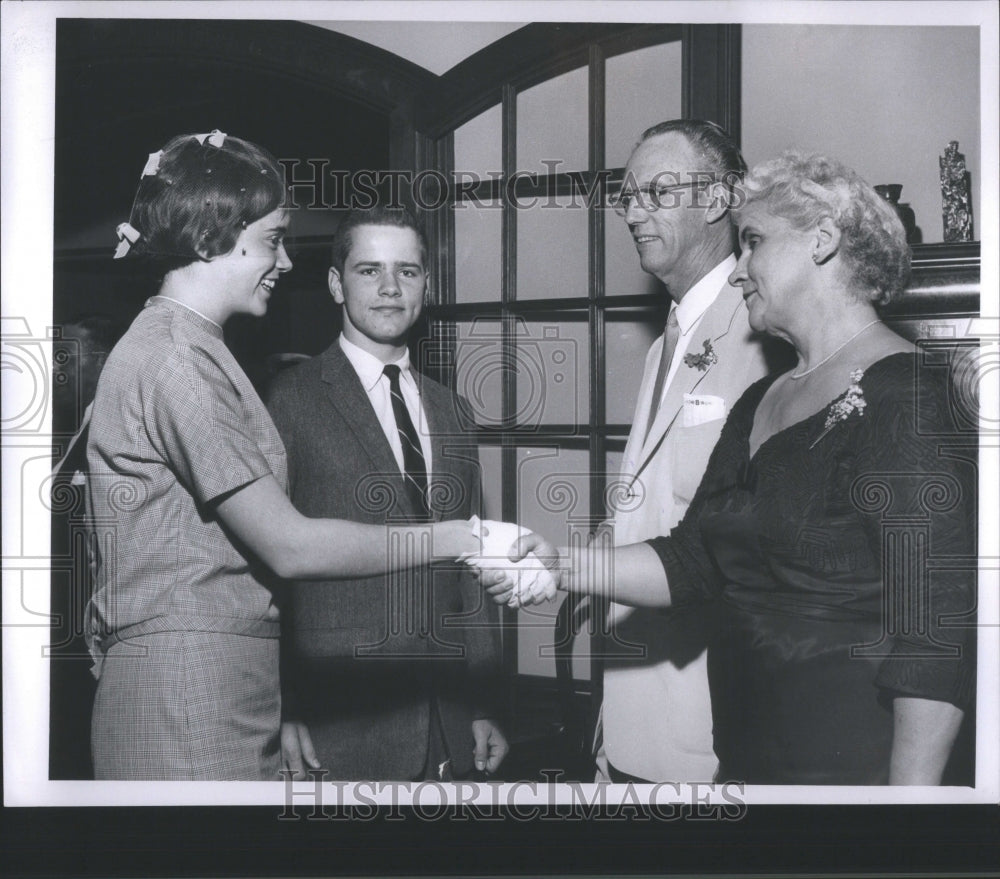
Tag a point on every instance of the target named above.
point(843, 564)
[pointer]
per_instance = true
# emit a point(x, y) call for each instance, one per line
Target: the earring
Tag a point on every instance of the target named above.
point(816, 258)
point(244, 251)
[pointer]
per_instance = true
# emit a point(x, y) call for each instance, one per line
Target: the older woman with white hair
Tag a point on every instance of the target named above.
point(833, 527)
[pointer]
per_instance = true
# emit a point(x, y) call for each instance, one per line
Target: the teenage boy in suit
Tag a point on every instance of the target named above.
point(386, 678)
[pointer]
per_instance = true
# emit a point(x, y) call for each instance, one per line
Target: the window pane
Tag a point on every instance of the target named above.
point(536, 642)
point(478, 144)
point(627, 336)
point(552, 372)
point(613, 458)
point(614, 490)
point(642, 88)
point(478, 239)
point(551, 249)
point(490, 458)
point(553, 491)
point(552, 125)
point(478, 369)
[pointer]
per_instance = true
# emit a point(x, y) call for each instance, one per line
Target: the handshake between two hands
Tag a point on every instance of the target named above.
point(514, 583)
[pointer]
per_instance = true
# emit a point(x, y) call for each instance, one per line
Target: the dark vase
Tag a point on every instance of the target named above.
point(891, 193)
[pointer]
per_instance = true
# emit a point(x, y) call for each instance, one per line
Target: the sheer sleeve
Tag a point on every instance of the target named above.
point(691, 574)
point(916, 487)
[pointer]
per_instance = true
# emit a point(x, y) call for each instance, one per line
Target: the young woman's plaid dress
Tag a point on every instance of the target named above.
point(182, 626)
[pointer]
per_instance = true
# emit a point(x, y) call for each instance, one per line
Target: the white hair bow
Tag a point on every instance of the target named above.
point(127, 236)
point(214, 138)
point(152, 164)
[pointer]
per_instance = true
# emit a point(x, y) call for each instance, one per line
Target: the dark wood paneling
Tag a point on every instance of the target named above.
point(710, 62)
point(944, 282)
point(319, 99)
point(290, 49)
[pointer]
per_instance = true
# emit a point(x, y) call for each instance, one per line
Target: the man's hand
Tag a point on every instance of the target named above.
point(491, 745)
point(498, 584)
point(297, 753)
point(540, 576)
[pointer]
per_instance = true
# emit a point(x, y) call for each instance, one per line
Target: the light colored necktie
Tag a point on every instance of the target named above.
point(671, 334)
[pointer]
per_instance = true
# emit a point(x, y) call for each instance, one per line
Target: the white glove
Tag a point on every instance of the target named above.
point(530, 580)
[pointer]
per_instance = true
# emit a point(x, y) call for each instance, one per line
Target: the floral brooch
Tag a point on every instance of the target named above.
point(704, 360)
point(852, 400)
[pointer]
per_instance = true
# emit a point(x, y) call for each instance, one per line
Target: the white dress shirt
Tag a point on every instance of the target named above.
point(376, 384)
point(692, 308)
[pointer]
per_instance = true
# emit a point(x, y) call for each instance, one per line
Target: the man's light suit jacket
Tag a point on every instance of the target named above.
point(657, 716)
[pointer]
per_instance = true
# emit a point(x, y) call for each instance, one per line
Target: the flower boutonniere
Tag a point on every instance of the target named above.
point(704, 360)
point(852, 400)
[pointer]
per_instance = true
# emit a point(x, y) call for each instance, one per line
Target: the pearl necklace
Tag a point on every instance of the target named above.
point(834, 353)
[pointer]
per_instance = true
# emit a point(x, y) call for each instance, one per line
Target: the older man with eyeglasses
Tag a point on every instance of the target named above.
point(656, 722)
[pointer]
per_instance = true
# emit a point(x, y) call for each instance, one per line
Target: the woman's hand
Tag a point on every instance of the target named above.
point(924, 732)
point(631, 575)
point(545, 551)
point(519, 588)
point(299, 547)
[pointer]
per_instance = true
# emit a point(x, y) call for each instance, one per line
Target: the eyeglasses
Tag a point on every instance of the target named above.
point(650, 198)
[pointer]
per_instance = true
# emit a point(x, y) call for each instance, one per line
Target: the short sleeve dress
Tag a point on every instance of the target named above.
point(183, 625)
point(842, 557)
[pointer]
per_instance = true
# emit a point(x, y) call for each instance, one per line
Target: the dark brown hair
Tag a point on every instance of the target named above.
point(379, 215)
point(201, 197)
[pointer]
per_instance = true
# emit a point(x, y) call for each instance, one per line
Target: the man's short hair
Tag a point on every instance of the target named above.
point(379, 215)
point(718, 150)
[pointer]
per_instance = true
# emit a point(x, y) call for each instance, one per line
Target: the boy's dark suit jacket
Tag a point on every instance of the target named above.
point(364, 660)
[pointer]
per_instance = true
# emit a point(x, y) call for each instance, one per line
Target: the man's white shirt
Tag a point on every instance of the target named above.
point(691, 309)
point(371, 372)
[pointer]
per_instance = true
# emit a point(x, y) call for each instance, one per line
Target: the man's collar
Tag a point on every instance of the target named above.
point(368, 367)
point(699, 298)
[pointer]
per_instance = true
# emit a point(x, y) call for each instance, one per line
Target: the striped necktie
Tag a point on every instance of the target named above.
point(414, 466)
